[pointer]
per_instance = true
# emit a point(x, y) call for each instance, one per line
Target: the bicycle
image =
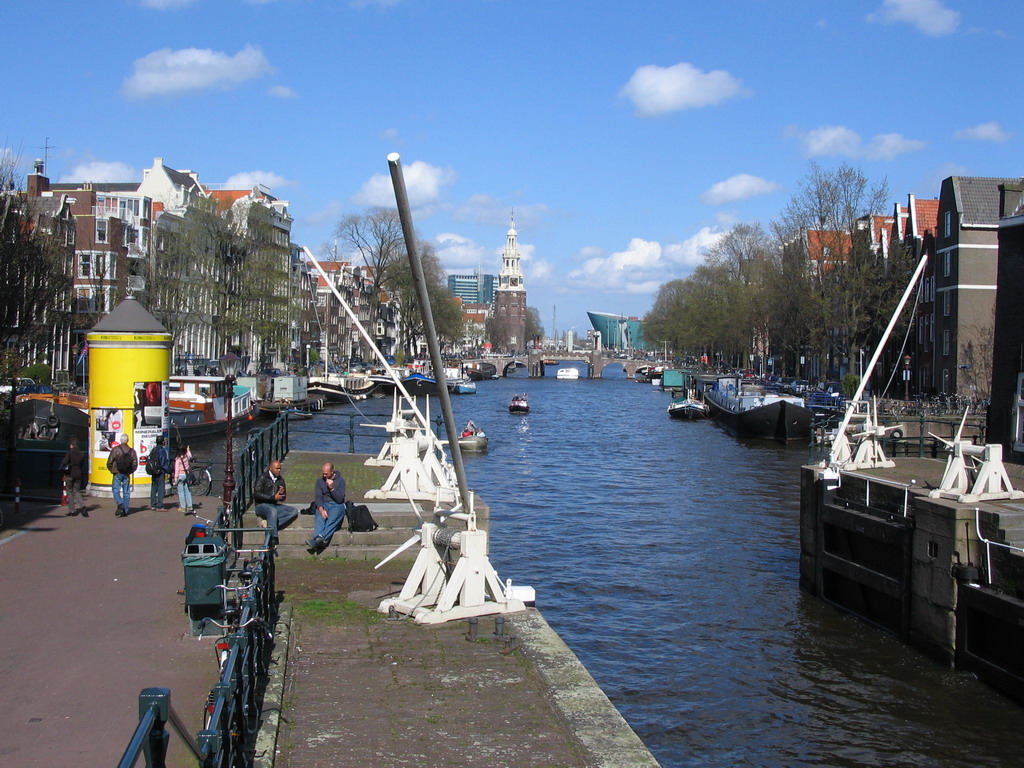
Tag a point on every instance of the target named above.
point(241, 677)
point(200, 481)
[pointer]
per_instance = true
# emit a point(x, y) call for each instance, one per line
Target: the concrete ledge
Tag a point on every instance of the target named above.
point(603, 732)
point(273, 696)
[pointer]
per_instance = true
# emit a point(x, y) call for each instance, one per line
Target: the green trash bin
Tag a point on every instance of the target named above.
point(205, 564)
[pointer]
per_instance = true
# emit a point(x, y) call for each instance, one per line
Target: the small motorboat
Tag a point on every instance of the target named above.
point(568, 373)
point(473, 439)
point(298, 413)
point(519, 404)
point(462, 387)
point(688, 408)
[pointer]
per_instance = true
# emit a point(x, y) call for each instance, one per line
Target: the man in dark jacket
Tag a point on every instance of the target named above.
point(158, 465)
point(122, 463)
point(329, 503)
point(269, 494)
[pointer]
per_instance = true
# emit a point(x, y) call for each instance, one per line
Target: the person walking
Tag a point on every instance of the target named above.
point(157, 466)
point(269, 493)
point(73, 464)
point(182, 467)
point(122, 463)
point(329, 500)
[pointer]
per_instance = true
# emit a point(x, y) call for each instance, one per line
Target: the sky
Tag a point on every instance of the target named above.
point(626, 137)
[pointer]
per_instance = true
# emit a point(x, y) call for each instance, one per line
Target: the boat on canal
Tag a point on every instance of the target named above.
point(473, 439)
point(687, 409)
point(568, 373)
point(198, 405)
point(745, 409)
point(519, 404)
point(341, 388)
point(41, 413)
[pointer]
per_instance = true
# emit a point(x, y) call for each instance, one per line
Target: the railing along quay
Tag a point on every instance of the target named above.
point(232, 709)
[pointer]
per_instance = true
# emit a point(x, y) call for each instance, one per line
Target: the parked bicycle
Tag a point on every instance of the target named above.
point(200, 481)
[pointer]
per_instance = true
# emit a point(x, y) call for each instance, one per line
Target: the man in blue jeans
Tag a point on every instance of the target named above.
point(122, 463)
point(158, 466)
point(269, 493)
point(329, 502)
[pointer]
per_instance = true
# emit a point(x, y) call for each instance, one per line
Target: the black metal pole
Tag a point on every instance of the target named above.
point(404, 214)
point(229, 462)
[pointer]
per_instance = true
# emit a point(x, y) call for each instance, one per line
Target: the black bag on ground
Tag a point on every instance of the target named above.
point(359, 518)
point(310, 510)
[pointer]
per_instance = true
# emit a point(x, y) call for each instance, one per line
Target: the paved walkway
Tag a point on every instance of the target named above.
point(91, 615)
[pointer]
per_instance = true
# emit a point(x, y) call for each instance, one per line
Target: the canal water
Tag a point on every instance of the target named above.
point(665, 554)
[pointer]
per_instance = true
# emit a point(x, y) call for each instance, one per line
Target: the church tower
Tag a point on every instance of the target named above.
point(510, 298)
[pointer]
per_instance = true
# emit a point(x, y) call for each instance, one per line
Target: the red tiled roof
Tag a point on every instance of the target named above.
point(927, 216)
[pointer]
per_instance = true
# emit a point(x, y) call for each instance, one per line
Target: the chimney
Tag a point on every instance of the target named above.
point(1010, 196)
point(37, 182)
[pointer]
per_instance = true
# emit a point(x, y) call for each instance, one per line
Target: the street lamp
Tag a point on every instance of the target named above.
point(229, 367)
point(906, 378)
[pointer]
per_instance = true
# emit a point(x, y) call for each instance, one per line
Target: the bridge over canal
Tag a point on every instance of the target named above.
point(596, 362)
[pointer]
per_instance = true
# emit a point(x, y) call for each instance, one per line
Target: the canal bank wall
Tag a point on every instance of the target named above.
point(946, 577)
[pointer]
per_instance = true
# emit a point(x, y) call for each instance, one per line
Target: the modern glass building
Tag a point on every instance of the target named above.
point(473, 289)
point(617, 331)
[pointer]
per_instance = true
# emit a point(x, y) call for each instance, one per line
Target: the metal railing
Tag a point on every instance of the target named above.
point(261, 447)
point(232, 709)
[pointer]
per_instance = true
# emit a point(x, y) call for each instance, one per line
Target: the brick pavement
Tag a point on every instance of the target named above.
point(91, 616)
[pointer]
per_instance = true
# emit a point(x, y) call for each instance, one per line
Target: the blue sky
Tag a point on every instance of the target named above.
point(626, 136)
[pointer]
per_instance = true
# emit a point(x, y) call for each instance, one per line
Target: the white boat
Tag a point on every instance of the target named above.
point(198, 405)
point(568, 373)
point(688, 408)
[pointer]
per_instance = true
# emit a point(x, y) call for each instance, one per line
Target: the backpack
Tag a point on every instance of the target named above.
point(155, 462)
point(122, 462)
point(359, 519)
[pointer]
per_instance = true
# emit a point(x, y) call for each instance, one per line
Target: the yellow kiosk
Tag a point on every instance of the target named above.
point(129, 366)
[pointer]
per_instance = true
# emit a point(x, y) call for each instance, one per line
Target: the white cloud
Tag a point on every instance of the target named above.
point(328, 215)
point(739, 187)
point(984, 132)
point(100, 172)
point(929, 16)
point(888, 146)
point(643, 266)
point(840, 141)
point(423, 184)
point(249, 179)
point(656, 90)
point(831, 140)
point(282, 92)
point(462, 254)
point(493, 212)
point(167, 72)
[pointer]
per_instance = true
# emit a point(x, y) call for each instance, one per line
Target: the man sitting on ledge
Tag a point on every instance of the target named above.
point(269, 494)
point(330, 508)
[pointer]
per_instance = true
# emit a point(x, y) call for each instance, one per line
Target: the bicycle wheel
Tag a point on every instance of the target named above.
point(200, 482)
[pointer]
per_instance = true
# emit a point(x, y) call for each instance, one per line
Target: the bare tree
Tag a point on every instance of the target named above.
point(35, 278)
point(377, 239)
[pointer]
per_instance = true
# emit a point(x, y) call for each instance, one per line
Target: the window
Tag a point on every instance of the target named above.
point(101, 230)
point(947, 263)
point(947, 224)
point(945, 303)
point(85, 264)
point(945, 343)
point(1018, 427)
